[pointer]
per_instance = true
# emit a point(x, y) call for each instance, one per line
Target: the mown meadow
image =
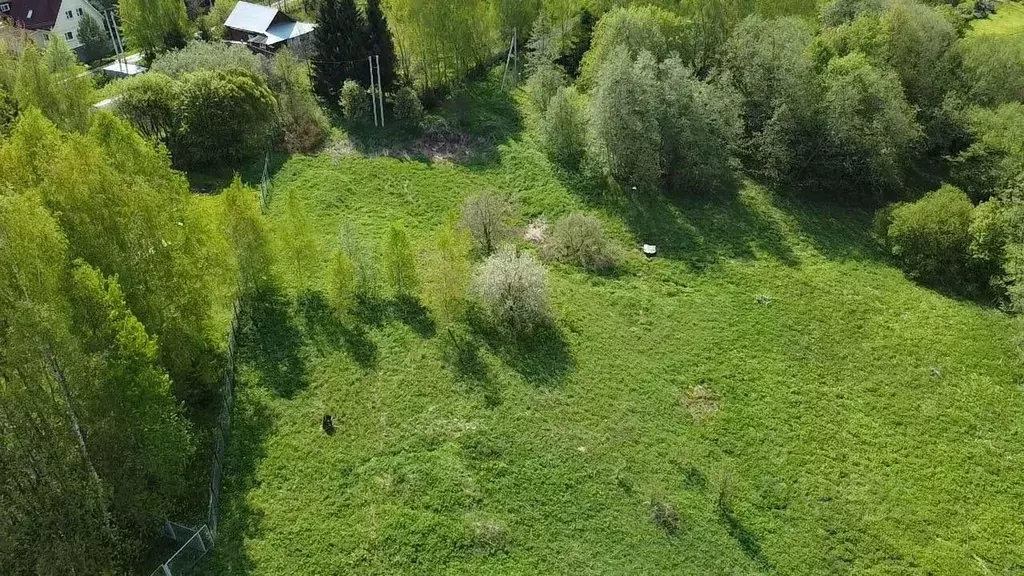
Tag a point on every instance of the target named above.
point(794, 403)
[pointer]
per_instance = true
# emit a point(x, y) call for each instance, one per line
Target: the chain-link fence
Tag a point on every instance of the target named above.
point(197, 542)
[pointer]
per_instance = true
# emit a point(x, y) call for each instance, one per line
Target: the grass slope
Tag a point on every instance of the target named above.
point(845, 420)
point(1008, 19)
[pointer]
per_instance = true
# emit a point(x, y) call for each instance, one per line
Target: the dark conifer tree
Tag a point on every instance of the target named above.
point(339, 48)
point(380, 43)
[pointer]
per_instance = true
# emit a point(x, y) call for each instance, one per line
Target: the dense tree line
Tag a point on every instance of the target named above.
point(853, 107)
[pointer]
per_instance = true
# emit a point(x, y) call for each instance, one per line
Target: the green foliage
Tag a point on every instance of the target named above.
point(637, 29)
point(701, 128)
point(624, 114)
point(543, 83)
point(138, 441)
point(770, 66)
point(356, 102)
point(513, 288)
point(55, 83)
point(95, 43)
point(447, 275)
point(838, 12)
point(198, 56)
point(994, 66)
point(400, 262)
point(339, 49)
point(870, 125)
point(440, 41)
point(213, 21)
point(563, 128)
point(127, 213)
point(486, 218)
point(996, 155)
point(248, 236)
point(406, 105)
point(919, 47)
point(931, 239)
point(580, 239)
point(154, 25)
point(8, 112)
point(223, 116)
point(149, 101)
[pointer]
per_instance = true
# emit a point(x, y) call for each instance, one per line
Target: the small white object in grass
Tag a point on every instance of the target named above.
point(537, 231)
point(650, 249)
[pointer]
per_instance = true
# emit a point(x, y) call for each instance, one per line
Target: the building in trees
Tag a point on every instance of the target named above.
point(266, 27)
point(46, 19)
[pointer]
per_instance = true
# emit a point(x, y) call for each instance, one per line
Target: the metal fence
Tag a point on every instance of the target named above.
point(196, 545)
point(197, 542)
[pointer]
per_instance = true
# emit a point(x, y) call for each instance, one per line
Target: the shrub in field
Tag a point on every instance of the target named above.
point(486, 218)
point(513, 287)
point(304, 126)
point(355, 102)
point(931, 238)
point(400, 262)
point(223, 116)
point(664, 516)
point(406, 105)
point(447, 277)
point(579, 239)
point(543, 83)
point(563, 129)
point(624, 111)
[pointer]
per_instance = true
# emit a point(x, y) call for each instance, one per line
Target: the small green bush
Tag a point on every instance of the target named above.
point(563, 129)
point(931, 238)
point(579, 239)
point(664, 516)
point(406, 105)
point(400, 262)
point(355, 102)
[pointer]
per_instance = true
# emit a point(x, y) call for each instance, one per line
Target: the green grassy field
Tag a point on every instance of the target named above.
point(804, 407)
point(1009, 19)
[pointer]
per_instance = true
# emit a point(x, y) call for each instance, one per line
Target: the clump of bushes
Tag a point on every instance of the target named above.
point(931, 237)
point(543, 83)
point(512, 285)
point(406, 105)
point(580, 239)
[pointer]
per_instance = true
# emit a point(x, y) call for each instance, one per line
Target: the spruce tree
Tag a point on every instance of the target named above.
point(339, 43)
point(379, 43)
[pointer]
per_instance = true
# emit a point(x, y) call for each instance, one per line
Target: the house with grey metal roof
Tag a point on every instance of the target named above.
point(265, 27)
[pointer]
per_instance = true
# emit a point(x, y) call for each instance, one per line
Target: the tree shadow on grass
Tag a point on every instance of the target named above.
point(325, 331)
point(252, 424)
point(699, 229)
point(272, 341)
point(747, 540)
point(462, 354)
point(542, 357)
